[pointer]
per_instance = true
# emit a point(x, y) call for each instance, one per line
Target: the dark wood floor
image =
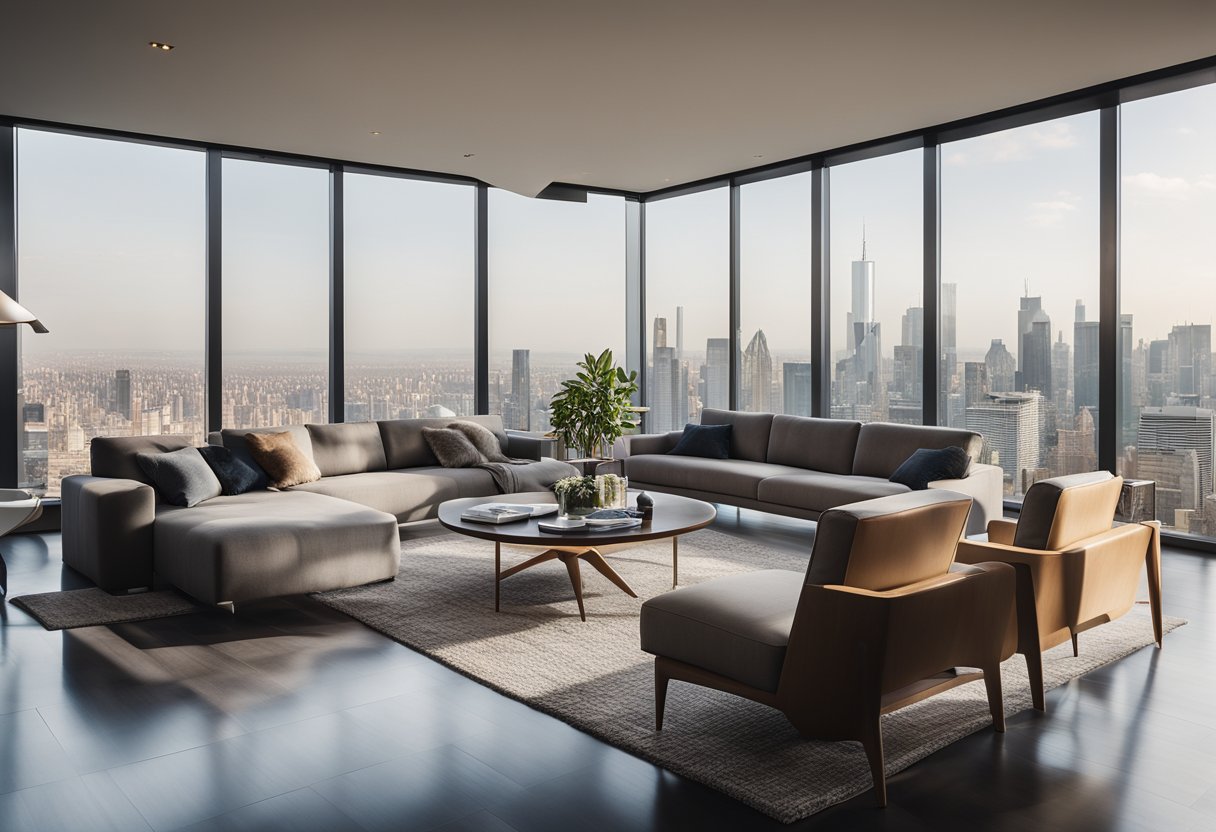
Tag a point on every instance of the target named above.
point(291, 716)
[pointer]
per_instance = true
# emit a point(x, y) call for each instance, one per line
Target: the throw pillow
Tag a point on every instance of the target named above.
point(283, 462)
point(452, 448)
point(483, 439)
point(236, 476)
point(926, 466)
point(181, 477)
point(709, 441)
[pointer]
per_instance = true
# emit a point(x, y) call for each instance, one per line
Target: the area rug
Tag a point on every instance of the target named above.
point(593, 675)
point(91, 607)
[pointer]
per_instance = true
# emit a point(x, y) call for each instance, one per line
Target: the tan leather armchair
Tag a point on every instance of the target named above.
point(1074, 571)
point(879, 620)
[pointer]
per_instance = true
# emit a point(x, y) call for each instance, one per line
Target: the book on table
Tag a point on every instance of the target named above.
point(496, 513)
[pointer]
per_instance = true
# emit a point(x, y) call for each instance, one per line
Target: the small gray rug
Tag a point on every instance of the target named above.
point(593, 675)
point(91, 607)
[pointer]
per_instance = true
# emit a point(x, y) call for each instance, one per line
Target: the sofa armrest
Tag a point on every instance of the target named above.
point(107, 531)
point(984, 484)
point(524, 445)
point(650, 443)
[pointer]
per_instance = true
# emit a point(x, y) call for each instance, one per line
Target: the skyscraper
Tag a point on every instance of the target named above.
point(660, 334)
point(862, 309)
point(1178, 428)
point(122, 393)
point(1128, 418)
point(664, 376)
point(796, 378)
point(715, 377)
point(864, 333)
point(1190, 348)
point(1034, 354)
point(517, 412)
point(1009, 423)
point(948, 301)
point(1001, 367)
point(756, 377)
point(1084, 361)
point(1061, 376)
point(679, 333)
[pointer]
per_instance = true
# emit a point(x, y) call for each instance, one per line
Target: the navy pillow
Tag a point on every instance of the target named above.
point(180, 477)
point(709, 441)
point(236, 476)
point(926, 466)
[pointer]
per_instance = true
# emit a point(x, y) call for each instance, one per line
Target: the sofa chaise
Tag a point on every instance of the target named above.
point(800, 466)
point(340, 531)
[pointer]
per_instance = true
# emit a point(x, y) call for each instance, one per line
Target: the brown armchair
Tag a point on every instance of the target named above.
point(879, 620)
point(1074, 571)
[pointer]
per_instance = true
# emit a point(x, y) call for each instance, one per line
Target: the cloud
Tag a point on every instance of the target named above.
point(1053, 212)
point(1170, 187)
point(1021, 144)
point(1054, 136)
point(957, 159)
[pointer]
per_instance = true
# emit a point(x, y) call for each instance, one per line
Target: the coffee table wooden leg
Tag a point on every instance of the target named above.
point(675, 560)
point(576, 581)
point(593, 557)
point(497, 572)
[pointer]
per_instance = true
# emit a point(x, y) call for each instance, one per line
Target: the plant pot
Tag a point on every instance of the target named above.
point(570, 505)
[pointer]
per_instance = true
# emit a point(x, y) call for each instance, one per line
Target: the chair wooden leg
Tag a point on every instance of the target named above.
point(1152, 564)
point(996, 699)
point(1034, 668)
point(660, 694)
point(872, 743)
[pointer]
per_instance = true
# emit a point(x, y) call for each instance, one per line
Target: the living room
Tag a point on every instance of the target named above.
point(313, 243)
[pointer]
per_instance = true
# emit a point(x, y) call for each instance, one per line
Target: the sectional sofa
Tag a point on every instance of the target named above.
point(801, 467)
point(337, 532)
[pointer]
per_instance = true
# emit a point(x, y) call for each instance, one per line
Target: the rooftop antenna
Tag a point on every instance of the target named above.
point(863, 239)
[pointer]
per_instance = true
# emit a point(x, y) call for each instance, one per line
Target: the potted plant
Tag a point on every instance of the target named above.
point(594, 409)
point(576, 496)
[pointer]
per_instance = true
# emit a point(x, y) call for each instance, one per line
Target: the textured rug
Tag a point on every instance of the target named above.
point(593, 675)
point(74, 608)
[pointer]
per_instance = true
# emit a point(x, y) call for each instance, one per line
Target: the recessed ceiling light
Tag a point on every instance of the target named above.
point(757, 155)
point(469, 155)
point(375, 132)
point(163, 47)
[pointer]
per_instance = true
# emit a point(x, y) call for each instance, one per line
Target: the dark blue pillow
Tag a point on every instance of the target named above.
point(926, 466)
point(236, 476)
point(709, 441)
point(180, 477)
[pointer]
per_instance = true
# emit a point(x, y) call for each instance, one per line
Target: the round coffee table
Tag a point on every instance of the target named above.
point(673, 516)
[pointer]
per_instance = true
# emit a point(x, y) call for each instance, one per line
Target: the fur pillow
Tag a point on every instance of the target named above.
point(283, 462)
point(483, 439)
point(452, 448)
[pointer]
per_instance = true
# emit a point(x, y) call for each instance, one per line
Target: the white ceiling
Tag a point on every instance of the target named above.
point(630, 94)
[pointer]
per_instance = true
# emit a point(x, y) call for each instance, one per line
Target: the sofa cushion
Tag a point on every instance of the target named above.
point(734, 477)
point(452, 448)
point(404, 446)
point(181, 477)
point(347, 448)
point(815, 444)
point(409, 494)
point(483, 439)
point(882, 446)
point(235, 475)
point(114, 456)
point(749, 431)
point(705, 441)
point(928, 465)
point(268, 543)
point(283, 462)
point(234, 440)
point(815, 491)
point(737, 626)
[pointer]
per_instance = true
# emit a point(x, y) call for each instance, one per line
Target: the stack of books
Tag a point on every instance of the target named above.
point(496, 513)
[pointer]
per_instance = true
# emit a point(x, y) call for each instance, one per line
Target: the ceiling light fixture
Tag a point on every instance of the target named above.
point(469, 155)
point(163, 47)
point(375, 132)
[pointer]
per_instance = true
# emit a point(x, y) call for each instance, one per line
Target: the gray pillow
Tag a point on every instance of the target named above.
point(452, 448)
point(483, 439)
point(181, 477)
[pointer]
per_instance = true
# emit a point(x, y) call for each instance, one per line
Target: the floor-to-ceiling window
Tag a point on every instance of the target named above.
point(557, 292)
point(1168, 275)
point(409, 298)
point(110, 257)
point(687, 326)
point(775, 295)
point(877, 318)
point(1020, 285)
point(275, 294)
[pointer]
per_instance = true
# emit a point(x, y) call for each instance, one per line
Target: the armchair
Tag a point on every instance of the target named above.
point(880, 620)
point(1074, 571)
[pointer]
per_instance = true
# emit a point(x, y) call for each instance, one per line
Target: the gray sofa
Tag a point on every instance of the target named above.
point(337, 532)
point(801, 467)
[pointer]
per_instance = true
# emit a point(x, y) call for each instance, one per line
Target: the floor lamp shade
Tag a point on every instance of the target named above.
point(12, 313)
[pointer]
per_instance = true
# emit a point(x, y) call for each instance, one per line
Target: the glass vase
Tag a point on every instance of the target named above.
point(611, 491)
point(573, 505)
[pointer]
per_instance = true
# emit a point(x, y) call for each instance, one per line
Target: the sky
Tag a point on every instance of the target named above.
point(111, 246)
